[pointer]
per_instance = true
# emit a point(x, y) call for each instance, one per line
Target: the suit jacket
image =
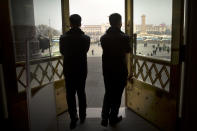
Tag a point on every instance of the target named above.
point(74, 46)
point(115, 45)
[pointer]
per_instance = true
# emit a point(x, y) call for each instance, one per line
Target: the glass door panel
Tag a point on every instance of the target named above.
point(150, 25)
point(153, 26)
point(36, 28)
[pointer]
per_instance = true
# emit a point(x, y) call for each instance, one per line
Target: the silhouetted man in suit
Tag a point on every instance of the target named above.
point(115, 45)
point(74, 46)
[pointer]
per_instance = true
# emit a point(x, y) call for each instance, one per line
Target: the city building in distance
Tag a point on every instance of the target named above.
point(154, 32)
point(152, 40)
point(96, 31)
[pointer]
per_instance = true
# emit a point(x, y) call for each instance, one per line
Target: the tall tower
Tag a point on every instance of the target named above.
point(143, 24)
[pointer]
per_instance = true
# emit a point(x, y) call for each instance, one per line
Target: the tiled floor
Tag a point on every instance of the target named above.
point(130, 122)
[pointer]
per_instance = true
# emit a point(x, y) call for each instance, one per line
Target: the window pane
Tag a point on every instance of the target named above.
point(152, 23)
point(48, 25)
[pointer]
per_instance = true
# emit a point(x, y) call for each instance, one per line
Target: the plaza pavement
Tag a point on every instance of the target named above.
point(94, 83)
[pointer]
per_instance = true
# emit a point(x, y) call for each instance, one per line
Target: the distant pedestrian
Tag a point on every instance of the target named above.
point(92, 51)
point(159, 49)
point(74, 46)
point(115, 45)
point(145, 44)
point(168, 49)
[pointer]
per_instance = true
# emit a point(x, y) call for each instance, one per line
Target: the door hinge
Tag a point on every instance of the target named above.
point(182, 53)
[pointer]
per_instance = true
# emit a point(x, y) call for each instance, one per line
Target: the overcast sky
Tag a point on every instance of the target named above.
point(97, 11)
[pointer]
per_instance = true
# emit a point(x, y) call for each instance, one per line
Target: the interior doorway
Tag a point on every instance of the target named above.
point(95, 21)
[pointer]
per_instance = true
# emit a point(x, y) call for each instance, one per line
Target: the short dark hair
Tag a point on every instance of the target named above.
point(114, 19)
point(75, 20)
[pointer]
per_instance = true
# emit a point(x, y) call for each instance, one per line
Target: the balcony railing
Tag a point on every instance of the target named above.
point(155, 72)
point(42, 71)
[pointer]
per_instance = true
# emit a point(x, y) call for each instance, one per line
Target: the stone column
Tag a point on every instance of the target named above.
point(23, 23)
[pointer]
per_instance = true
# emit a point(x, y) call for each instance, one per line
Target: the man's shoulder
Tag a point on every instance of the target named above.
point(104, 36)
point(124, 35)
point(63, 36)
point(121, 35)
point(86, 37)
point(66, 35)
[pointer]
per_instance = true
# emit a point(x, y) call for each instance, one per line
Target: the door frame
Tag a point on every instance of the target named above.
point(189, 89)
point(65, 15)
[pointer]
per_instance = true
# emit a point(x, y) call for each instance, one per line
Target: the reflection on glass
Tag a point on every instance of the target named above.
point(48, 26)
point(34, 32)
point(37, 22)
point(152, 24)
point(23, 24)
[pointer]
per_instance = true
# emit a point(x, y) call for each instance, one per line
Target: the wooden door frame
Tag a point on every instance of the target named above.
point(65, 15)
point(176, 60)
point(177, 41)
point(189, 91)
point(129, 31)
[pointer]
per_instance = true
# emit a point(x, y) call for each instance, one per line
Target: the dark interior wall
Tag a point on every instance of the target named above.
point(8, 66)
point(1, 93)
point(7, 53)
point(3, 104)
point(7, 60)
point(190, 86)
point(1, 99)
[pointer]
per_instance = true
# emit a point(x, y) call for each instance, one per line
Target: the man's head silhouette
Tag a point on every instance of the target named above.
point(75, 20)
point(115, 20)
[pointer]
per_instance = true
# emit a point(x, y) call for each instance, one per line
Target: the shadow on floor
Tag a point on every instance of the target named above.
point(130, 122)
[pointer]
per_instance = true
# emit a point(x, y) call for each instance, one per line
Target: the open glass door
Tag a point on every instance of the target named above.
point(38, 64)
point(155, 28)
